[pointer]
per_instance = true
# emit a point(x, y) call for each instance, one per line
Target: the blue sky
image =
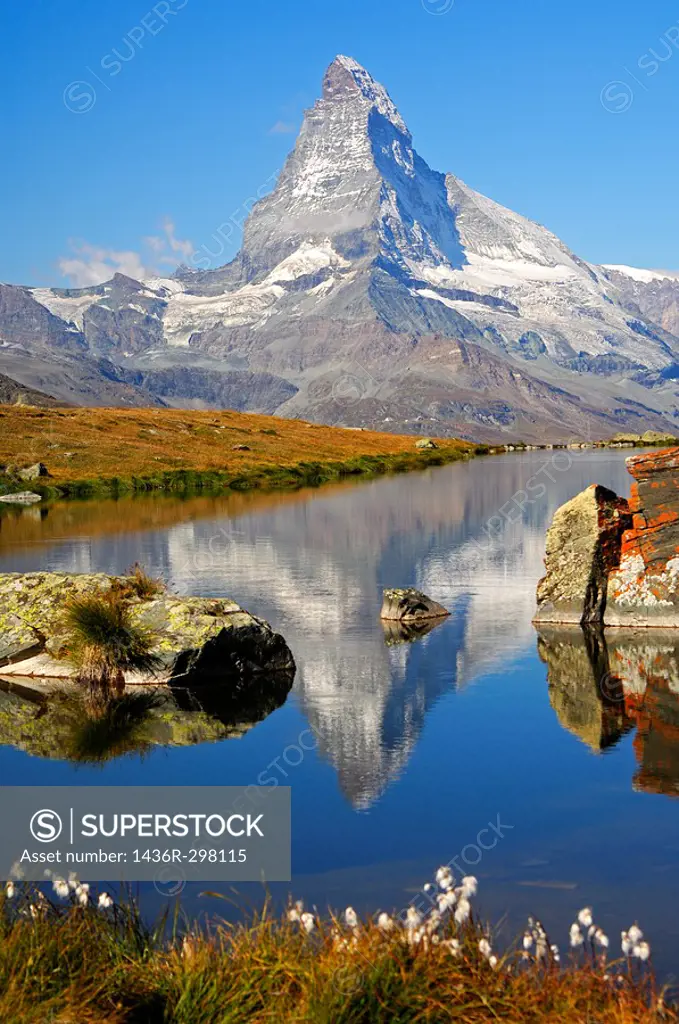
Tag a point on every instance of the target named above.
point(516, 99)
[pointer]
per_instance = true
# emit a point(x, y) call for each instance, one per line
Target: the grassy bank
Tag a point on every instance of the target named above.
point(99, 452)
point(81, 959)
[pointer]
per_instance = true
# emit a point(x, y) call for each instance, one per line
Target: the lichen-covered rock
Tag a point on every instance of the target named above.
point(33, 472)
point(644, 589)
point(583, 547)
point(200, 639)
point(426, 444)
point(409, 605)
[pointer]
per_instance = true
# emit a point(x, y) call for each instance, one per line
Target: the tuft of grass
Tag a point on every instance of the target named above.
point(103, 643)
point(139, 584)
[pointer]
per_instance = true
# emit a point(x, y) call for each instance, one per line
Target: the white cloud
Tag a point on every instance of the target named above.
point(86, 265)
point(283, 128)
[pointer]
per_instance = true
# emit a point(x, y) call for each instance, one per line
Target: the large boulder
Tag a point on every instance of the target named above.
point(643, 590)
point(200, 640)
point(409, 605)
point(583, 547)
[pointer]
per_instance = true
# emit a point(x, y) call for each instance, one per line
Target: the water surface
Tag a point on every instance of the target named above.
point(417, 747)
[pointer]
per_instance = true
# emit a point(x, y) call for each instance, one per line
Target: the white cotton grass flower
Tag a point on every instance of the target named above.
point(10, 890)
point(585, 917)
point(485, 948)
point(61, 888)
point(446, 900)
point(626, 943)
point(385, 923)
point(444, 878)
point(308, 922)
point(428, 887)
point(462, 911)
point(413, 918)
point(492, 960)
point(453, 945)
point(295, 912)
point(554, 950)
point(351, 917)
point(104, 902)
point(82, 893)
point(642, 951)
point(635, 934)
point(576, 936)
point(73, 880)
point(527, 940)
point(601, 938)
point(469, 887)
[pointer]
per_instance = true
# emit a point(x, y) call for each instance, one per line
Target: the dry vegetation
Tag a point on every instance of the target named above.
point(93, 961)
point(145, 448)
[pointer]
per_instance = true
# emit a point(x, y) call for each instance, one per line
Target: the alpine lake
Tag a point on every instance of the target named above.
point(482, 742)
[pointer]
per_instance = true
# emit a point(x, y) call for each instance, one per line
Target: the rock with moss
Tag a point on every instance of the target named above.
point(198, 639)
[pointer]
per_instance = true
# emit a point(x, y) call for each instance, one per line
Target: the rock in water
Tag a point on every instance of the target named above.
point(21, 498)
point(200, 640)
point(583, 547)
point(409, 606)
point(644, 589)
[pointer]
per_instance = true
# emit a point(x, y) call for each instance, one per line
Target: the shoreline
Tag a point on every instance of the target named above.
point(84, 453)
point(193, 482)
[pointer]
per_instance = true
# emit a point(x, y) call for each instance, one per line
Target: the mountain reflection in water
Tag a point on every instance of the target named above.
point(418, 743)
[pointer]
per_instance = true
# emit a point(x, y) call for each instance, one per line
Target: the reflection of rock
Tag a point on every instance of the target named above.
point(586, 697)
point(199, 639)
point(54, 723)
point(583, 546)
point(409, 605)
point(396, 633)
point(600, 687)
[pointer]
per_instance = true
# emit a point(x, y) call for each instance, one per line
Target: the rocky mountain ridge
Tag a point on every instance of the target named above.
point(370, 290)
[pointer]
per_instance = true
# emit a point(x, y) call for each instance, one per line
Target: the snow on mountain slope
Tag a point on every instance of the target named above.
point(363, 264)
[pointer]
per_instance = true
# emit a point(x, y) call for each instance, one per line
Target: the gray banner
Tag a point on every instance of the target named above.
point(163, 834)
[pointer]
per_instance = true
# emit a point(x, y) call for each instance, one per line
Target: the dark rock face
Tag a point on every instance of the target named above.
point(583, 547)
point(410, 606)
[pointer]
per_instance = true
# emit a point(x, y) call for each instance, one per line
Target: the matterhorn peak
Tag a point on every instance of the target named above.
point(347, 79)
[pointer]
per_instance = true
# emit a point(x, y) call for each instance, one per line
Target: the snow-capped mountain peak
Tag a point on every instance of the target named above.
point(346, 76)
point(445, 311)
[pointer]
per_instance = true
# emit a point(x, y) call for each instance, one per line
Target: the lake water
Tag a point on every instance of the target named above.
point(418, 746)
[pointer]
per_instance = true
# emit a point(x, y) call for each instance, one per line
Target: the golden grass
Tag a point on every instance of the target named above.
point(78, 444)
point(75, 965)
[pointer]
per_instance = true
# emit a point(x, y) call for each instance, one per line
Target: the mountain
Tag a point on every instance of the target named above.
point(371, 290)
point(13, 393)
